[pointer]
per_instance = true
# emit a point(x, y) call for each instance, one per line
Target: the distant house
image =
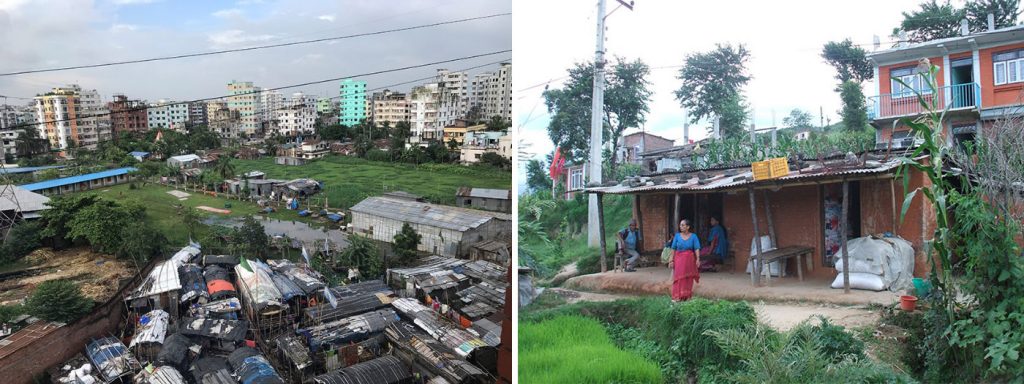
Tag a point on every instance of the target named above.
point(81, 182)
point(445, 230)
point(30, 204)
point(634, 144)
point(482, 198)
point(184, 161)
point(139, 155)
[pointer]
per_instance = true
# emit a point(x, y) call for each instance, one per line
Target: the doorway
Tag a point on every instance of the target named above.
point(961, 77)
point(832, 209)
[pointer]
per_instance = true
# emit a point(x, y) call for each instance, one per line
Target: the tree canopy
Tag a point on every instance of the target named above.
point(934, 20)
point(849, 60)
point(406, 242)
point(536, 176)
point(626, 97)
point(363, 254)
point(712, 85)
point(58, 300)
point(798, 119)
point(250, 239)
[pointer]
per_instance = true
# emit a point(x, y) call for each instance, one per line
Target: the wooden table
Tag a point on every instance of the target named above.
point(779, 254)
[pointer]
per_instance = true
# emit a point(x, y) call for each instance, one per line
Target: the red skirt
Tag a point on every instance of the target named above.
point(684, 273)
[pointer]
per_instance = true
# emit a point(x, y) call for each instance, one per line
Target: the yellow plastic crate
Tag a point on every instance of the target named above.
point(770, 169)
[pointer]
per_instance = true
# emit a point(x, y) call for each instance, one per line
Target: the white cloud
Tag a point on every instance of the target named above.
point(235, 36)
point(116, 28)
point(329, 18)
point(228, 13)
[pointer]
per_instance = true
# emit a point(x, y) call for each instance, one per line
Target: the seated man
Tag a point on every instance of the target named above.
point(629, 237)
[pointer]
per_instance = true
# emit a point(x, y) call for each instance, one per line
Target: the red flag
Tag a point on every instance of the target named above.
point(557, 164)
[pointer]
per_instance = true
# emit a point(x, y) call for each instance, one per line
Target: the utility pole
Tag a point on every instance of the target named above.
point(596, 122)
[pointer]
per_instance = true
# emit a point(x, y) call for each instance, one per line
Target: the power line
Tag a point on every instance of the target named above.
point(187, 55)
point(272, 89)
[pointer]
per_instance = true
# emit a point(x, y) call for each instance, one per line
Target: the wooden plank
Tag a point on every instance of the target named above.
point(639, 221)
point(768, 215)
point(600, 227)
point(755, 275)
point(842, 236)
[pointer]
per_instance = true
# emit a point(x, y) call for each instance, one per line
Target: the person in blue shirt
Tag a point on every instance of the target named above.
point(685, 262)
point(718, 241)
point(629, 237)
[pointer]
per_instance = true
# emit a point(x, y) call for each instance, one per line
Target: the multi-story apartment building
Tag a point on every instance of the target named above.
point(197, 113)
point(127, 115)
point(297, 117)
point(72, 116)
point(270, 103)
point(979, 81)
point(166, 114)
point(352, 108)
point(454, 96)
point(492, 93)
point(9, 117)
point(222, 120)
point(389, 107)
point(246, 100)
point(423, 112)
point(325, 105)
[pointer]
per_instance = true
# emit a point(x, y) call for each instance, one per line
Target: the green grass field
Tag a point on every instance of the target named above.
point(349, 180)
point(573, 349)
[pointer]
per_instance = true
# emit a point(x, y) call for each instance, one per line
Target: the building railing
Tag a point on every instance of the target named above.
point(955, 97)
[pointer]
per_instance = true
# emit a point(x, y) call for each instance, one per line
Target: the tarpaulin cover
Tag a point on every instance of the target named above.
point(218, 282)
point(222, 260)
point(433, 355)
point(257, 287)
point(163, 278)
point(175, 351)
point(193, 285)
point(301, 276)
point(349, 306)
point(349, 329)
point(287, 288)
point(891, 259)
point(384, 370)
point(252, 368)
point(151, 328)
point(358, 289)
point(216, 307)
point(185, 255)
point(111, 358)
point(212, 370)
point(228, 330)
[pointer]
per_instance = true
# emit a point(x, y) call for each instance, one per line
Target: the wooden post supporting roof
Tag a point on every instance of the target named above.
point(755, 273)
point(600, 227)
point(675, 212)
point(640, 221)
point(771, 224)
point(843, 224)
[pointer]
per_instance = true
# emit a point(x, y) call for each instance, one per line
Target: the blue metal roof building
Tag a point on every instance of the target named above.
point(14, 170)
point(81, 182)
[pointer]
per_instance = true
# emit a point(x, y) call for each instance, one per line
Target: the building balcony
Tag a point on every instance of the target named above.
point(955, 97)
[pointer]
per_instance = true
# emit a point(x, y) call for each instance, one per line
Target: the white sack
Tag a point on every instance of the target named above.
point(861, 281)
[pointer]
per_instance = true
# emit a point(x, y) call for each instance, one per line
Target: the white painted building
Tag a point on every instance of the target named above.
point(453, 96)
point(270, 103)
point(423, 111)
point(297, 116)
point(165, 114)
point(492, 93)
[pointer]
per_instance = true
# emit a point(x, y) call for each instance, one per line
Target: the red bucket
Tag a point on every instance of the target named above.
point(908, 303)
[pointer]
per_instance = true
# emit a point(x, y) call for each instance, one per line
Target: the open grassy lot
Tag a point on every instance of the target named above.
point(348, 180)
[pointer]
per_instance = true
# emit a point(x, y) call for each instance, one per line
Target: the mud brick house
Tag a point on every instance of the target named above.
point(980, 80)
point(801, 212)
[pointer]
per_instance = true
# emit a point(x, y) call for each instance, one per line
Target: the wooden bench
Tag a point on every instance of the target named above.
point(783, 253)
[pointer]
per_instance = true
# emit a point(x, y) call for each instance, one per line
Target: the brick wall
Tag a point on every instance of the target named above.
point(60, 345)
point(655, 211)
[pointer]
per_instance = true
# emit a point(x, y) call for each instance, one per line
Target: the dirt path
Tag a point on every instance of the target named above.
point(781, 316)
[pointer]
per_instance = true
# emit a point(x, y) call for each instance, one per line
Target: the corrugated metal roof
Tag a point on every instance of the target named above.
point(502, 194)
point(163, 278)
point(77, 179)
point(740, 177)
point(185, 158)
point(441, 216)
point(5, 169)
point(28, 201)
point(154, 329)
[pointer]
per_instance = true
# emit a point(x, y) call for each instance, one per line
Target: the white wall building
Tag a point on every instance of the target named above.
point(297, 116)
point(167, 114)
point(454, 96)
point(492, 93)
point(423, 111)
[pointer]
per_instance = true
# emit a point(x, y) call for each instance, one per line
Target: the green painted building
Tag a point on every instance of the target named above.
point(352, 107)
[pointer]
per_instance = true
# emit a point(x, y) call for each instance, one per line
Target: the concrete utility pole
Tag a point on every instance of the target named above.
point(596, 123)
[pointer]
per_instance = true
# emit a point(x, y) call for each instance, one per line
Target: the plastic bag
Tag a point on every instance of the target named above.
point(666, 255)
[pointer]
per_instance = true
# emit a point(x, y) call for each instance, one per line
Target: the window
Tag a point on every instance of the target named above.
point(576, 179)
point(911, 78)
point(1008, 67)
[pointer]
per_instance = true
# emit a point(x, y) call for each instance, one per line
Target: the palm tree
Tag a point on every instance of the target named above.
point(224, 168)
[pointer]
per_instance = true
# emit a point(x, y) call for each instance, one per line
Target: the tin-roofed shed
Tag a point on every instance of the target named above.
point(483, 198)
point(445, 230)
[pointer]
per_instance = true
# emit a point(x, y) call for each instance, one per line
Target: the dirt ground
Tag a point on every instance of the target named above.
point(98, 275)
point(781, 316)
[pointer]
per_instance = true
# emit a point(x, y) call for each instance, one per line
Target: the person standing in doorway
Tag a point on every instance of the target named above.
point(718, 244)
point(685, 262)
point(629, 237)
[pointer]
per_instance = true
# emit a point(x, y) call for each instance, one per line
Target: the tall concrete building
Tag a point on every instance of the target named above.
point(352, 107)
point(423, 112)
point(69, 116)
point(245, 99)
point(297, 116)
point(492, 93)
point(270, 103)
point(222, 120)
point(166, 114)
point(127, 115)
point(390, 107)
point(197, 113)
point(454, 96)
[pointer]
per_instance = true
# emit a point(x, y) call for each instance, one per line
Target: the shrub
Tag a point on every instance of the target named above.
point(9, 312)
point(835, 342)
point(572, 349)
point(22, 239)
point(59, 301)
point(377, 155)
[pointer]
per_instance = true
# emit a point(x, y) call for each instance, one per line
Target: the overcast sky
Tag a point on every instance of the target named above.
point(784, 38)
point(46, 33)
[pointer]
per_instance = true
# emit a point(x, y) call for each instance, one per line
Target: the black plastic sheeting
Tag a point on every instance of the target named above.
point(360, 289)
point(252, 368)
point(215, 273)
point(193, 284)
point(212, 370)
point(349, 329)
point(348, 306)
point(384, 370)
point(226, 330)
point(288, 288)
point(221, 260)
point(175, 351)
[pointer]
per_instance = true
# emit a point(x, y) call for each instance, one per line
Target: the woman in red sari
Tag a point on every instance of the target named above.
point(685, 263)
